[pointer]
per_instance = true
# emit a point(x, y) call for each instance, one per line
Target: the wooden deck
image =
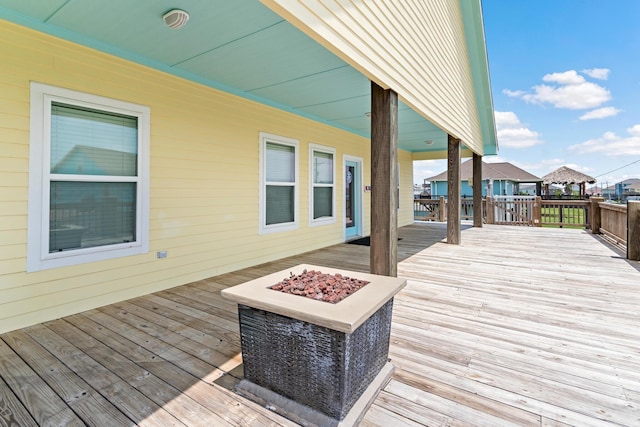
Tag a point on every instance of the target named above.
point(515, 326)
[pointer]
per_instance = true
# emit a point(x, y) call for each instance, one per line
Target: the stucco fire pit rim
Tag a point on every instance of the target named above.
point(344, 316)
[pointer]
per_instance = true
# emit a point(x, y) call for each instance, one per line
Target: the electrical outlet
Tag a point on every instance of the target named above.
point(162, 254)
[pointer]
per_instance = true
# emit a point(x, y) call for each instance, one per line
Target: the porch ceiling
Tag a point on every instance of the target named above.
point(237, 46)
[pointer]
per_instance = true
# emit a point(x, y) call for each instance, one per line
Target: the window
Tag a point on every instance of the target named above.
point(279, 183)
point(322, 185)
point(88, 185)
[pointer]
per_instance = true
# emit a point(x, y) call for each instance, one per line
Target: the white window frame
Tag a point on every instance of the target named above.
point(38, 256)
point(277, 139)
point(313, 148)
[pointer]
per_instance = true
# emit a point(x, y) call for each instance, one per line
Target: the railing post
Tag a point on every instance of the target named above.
point(596, 216)
point(442, 209)
point(537, 212)
point(633, 230)
point(490, 211)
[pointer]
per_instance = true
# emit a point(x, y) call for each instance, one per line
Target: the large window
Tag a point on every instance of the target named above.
point(88, 187)
point(279, 183)
point(322, 185)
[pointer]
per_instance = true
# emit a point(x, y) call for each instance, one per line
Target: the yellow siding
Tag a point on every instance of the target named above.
point(416, 48)
point(204, 180)
point(405, 214)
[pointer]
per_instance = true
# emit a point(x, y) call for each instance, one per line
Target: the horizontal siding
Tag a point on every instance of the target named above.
point(417, 49)
point(405, 214)
point(204, 180)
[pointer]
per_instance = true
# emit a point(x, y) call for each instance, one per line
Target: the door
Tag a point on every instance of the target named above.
point(352, 199)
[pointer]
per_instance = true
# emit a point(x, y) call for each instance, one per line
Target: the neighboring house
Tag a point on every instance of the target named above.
point(627, 188)
point(137, 157)
point(497, 179)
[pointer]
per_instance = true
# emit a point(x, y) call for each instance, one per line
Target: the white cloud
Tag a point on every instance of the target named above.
point(567, 90)
point(598, 73)
point(546, 165)
point(570, 77)
point(512, 133)
point(611, 144)
point(600, 113)
point(494, 159)
point(514, 93)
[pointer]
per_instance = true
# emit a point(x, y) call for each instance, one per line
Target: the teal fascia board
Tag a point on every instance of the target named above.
point(477, 50)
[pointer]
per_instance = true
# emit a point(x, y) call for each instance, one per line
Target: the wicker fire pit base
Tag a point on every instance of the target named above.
point(314, 362)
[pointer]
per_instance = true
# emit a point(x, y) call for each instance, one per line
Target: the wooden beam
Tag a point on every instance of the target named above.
point(633, 230)
point(453, 191)
point(477, 190)
point(384, 176)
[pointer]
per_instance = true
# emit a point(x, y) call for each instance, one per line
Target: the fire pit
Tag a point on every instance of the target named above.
point(315, 362)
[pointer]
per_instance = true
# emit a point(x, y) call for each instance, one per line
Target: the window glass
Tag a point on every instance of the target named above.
point(90, 142)
point(280, 163)
point(322, 202)
point(322, 185)
point(90, 214)
point(322, 168)
point(280, 207)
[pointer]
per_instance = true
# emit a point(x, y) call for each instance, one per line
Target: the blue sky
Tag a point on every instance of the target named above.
point(565, 77)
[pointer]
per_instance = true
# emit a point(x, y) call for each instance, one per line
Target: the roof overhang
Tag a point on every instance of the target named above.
point(246, 49)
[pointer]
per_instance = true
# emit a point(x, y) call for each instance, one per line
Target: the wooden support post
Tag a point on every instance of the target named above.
point(633, 230)
point(384, 168)
point(477, 190)
point(537, 212)
point(491, 217)
point(442, 207)
point(453, 191)
point(596, 217)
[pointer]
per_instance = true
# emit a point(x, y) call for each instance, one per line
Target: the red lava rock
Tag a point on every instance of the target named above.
point(320, 286)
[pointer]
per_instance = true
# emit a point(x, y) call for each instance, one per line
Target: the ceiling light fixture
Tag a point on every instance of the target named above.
point(175, 18)
point(429, 142)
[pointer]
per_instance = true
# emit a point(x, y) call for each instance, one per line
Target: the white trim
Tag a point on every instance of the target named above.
point(263, 228)
point(327, 219)
point(38, 256)
point(360, 219)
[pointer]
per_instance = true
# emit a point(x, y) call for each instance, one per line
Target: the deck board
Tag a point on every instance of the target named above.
point(513, 327)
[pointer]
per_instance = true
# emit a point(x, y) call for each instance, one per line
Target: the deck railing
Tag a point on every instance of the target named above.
point(565, 213)
point(513, 210)
point(429, 209)
point(620, 223)
point(613, 222)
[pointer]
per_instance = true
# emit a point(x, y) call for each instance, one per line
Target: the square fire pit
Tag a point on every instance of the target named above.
point(315, 362)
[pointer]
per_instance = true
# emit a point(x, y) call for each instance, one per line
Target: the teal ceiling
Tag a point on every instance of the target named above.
point(239, 46)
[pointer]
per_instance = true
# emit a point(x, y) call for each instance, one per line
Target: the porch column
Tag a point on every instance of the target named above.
point(477, 190)
point(384, 174)
point(453, 191)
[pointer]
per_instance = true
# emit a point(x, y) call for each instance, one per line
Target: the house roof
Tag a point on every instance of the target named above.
point(503, 171)
point(565, 175)
point(247, 49)
point(631, 182)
